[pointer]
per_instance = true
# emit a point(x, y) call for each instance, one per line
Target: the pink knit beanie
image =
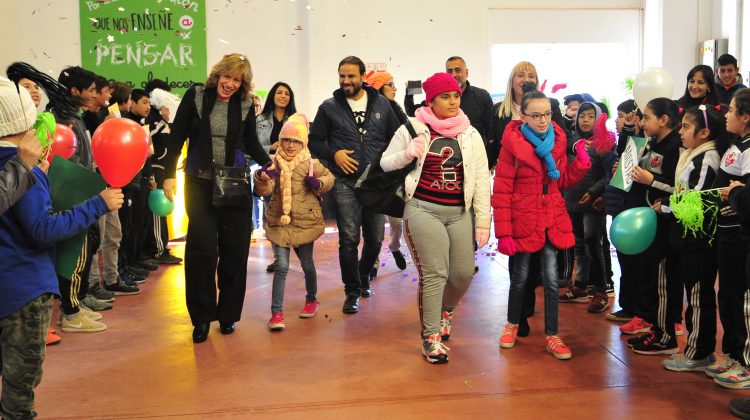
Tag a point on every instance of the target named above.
point(439, 83)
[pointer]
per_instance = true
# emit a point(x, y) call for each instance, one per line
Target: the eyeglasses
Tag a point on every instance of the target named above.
point(391, 85)
point(538, 117)
point(292, 142)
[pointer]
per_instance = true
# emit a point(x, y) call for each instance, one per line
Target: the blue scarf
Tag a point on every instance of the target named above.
point(543, 144)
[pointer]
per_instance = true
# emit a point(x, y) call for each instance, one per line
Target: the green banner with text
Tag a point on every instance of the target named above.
point(135, 41)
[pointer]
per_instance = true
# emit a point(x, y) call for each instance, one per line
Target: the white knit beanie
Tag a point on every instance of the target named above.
point(17, 110)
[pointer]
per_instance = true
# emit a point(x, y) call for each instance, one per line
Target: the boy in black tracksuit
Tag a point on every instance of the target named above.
point(731, 251)
point(158, 236)
point(653, 269)
point(134, 217)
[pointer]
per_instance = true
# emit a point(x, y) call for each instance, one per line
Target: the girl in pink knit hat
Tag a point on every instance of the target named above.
point(294, 219)
point(447, 208)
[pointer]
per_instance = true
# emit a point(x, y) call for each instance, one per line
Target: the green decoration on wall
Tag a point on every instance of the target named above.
point(140, 40)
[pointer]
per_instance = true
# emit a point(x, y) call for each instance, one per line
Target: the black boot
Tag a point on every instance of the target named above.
point(200, 333)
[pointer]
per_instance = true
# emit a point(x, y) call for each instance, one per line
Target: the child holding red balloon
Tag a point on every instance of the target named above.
point(294, 219)
point(28, 282)
point(702, 135)
point(653, 181)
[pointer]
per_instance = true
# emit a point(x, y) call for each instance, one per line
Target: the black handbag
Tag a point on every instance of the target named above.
point(231, 187)
point(383, 192)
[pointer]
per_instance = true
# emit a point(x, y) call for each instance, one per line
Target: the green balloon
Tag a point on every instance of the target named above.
point(633, 230)
point(159, 204)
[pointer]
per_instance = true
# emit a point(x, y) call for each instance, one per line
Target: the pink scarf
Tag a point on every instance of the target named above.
point(449, 127)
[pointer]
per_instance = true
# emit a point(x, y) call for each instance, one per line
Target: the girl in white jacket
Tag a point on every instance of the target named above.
point(448, 187)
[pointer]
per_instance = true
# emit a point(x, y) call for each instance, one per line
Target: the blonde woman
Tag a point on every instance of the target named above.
point(219, 119)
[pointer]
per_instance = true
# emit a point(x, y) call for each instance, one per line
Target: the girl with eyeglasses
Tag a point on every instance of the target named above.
point(530, 214)
point(294, 219)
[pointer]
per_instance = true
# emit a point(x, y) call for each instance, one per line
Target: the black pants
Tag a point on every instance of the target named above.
point(218, 242)
point(157, 236)
point(697, 269)
point(74, 289)
point(134, 224)
point(607, 254)
point(565, 261)
point(731, 252)
point(630, 272)
point(658, 282)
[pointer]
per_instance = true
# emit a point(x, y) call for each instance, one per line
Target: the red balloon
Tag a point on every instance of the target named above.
point(120, 148)
point(65, 143)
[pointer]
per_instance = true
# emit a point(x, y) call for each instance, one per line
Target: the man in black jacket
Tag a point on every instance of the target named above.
point(350, 131)
point(475, 102)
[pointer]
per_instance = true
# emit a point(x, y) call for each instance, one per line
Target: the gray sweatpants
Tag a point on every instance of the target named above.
point(110, 232)
point(441, 241)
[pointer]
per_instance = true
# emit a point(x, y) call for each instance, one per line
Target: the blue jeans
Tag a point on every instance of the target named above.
point(305, 255)
point(351, 218)
point(548, 261)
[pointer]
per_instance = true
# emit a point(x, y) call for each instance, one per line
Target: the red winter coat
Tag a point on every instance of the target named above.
point(522, 210)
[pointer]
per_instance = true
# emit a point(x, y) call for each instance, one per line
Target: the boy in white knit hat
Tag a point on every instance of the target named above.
point(16, 176)
point(28, 282)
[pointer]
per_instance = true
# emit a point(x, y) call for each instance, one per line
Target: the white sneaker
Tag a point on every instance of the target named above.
point(81, 323)
point(94, 316)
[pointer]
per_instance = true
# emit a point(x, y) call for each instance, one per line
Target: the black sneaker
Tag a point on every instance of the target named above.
point(373, 273)
point(167, 258)
point(98, 292)
point(652, 345)
point(132, 278)
point(271, 268)
point(740, 408)
point(621, 316)
point(147, 265)
point(122, 289)
point(140, 272)
point(610, 289)
point(639, 338)
point(399, 258)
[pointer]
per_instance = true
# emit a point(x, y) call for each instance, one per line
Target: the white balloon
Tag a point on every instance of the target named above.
point(651, 83)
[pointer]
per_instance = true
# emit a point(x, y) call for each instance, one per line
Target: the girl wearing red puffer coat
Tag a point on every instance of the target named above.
point(530, 213)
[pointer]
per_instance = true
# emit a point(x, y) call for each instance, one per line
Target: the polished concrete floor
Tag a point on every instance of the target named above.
point(366, 365)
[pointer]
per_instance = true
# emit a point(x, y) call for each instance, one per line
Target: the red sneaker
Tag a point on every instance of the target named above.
point(508, 337)
point(277, 321)
point(678, 329)
point(52, 339)
point(636, 325)
point(557, 348)
point(310, 309)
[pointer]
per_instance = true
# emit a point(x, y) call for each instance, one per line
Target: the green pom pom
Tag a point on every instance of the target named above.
point(45, 125)
point(691, 209)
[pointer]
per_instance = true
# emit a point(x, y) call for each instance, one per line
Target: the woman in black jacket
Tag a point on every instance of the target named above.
point(219, 119)
point(700, 88)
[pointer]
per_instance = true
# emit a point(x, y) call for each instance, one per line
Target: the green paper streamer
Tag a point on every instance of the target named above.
point(691, 209)
point(45, 125)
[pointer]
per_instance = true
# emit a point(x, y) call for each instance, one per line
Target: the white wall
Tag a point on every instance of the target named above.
point(412, 37)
